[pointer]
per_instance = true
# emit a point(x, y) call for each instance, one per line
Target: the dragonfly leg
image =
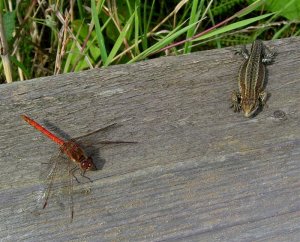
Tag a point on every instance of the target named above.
point(82, 173)
point(72, 172)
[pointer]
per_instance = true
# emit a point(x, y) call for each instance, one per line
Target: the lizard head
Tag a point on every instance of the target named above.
point(249, 106)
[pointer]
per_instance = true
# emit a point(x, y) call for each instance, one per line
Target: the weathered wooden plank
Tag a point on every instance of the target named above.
point(199, 171)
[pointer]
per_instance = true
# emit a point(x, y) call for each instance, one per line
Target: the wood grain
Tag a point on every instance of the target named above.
point(199, 172)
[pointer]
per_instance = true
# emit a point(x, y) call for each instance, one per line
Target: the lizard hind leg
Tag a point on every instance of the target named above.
point(243, 52)
point(268, 55)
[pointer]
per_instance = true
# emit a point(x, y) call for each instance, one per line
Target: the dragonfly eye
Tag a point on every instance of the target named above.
point(88, 164)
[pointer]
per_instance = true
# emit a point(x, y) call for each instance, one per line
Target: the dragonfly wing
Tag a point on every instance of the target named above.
point(54, 181)
point(58, 177)
point(98, 137)
point(108, 142)
point(103, 129)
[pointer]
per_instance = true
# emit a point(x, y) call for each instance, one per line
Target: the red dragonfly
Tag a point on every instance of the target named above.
point(74, 152)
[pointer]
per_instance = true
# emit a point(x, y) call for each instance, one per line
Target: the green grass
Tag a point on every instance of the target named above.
point(41, 40)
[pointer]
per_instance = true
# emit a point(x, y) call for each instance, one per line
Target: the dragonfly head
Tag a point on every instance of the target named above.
point(88, 164)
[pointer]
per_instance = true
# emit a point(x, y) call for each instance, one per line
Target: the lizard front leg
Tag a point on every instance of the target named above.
point(236, 101)
point(263, 98)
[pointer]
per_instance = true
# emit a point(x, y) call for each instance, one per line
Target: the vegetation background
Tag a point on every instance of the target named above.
point(40, 38)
